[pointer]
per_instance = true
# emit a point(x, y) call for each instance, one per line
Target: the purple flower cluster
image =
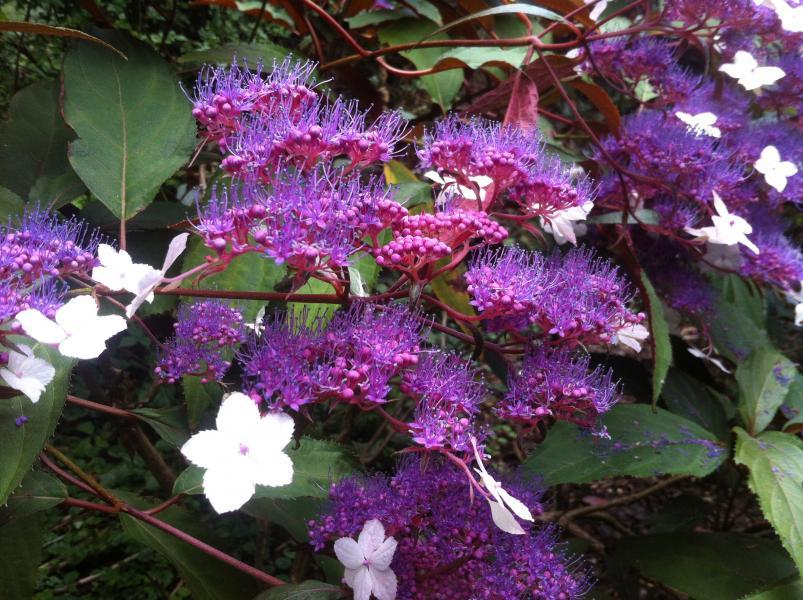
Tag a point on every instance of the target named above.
point(578, 297)
point(515, 161)
point(352, 358)
point(448, 396)
point(555, 384)
point(448, 548)
point(205, 331)
point(307, 220)
point(33, 251)
point(262, 122)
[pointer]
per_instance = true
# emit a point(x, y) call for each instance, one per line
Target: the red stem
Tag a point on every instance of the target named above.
point(276, 296)
point(110, 410)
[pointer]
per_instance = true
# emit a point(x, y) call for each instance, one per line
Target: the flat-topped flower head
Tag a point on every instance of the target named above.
point(25, 372)
point(367, 562)
point(77, 328)
point(245, 450)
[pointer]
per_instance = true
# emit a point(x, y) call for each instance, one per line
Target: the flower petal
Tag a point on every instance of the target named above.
point(385, 585)
point(77, 314)
point(517, 506)
point(208, 449)
point(504, 519)
point(177, 245)
point(274, 469)
point(371, 537)
point(363, 584)
point(40, 328)
point(275, 430)
point(349, 553)
point(383, 556)
point(30, 387)
point(238, 416)
point(226, 490)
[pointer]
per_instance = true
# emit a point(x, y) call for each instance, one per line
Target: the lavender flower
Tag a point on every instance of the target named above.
point(204, 331)
point(779, 263)
point(555, 384)
point(428, 510)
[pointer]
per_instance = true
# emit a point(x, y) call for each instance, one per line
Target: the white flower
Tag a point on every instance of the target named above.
point(78, 330)
point(26, 373)
point(632, 335)
point(483, 183)
point(561, 225)
point(598, 9)
point(244, 451)
point(700, 123)
point(367, 562)
point(503, 502)
point(791, 17)
point(750, 76)
point(150, 280)
point(775, 170)
point(715, 361)
point(728, 229)
point(117, 271)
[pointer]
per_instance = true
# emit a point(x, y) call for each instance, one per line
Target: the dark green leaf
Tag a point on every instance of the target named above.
point(10, 204)
point(525, 9)
point(20, 552)
point(33, 142)
point(738, 326)
point(775, 461)
point(42, 29)
point(643, 215)
point(784, 591)
point(133, 123)
point(293, 515)
point(793, 405)
point(252, 54)
point(690, 398)
point(476, 57)
point(312, 310)
point(39, 491)
point(316, 465)
point(190, 481)
point(207, 577)
point(199, 396)
point(659, 339)
point(707, 566)
point(764, 379)
point(684, 513)
point(309, 590)
point(643, 444)
point(170, 423)
point(21, 445)
point(375, 17)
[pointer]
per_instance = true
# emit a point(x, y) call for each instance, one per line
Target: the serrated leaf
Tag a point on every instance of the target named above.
point(775, 461)
point(764, 379)
point(690, 398)
point(642, 443)
point(792, 407)
point(316, 465)
point(33, 142)
point(308, 590)
point(133, 123)
point(659, 339)
point(783, 591)
point(710, 566)
point(21, 445)
point(738, 326)
point(20, 552)
point(169, 423)
point(292, 515)
point(39, 491)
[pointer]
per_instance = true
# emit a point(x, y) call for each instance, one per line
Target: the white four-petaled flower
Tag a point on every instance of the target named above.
point(26, 373)
point(367, 562)
point(775, 171)
point(117, 271)
point(728, 229)
point(700, 123)
point(150, 280)
point(244, 451)
point(503, 502)
point(562, 224)
point(78, 329)
point(749, 75)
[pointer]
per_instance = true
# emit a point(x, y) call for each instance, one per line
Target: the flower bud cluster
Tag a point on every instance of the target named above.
point(204, 333)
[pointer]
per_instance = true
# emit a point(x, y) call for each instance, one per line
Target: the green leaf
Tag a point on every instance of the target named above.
point(313, 311)
point(642, 215)
point(43, 29)
point(793, 405)
point(20, 552)
point(169, 423)
point(375, 17)
point(690, 398)
point(39, 491)
point(775, 461)
point(253, 54)
point(21, 445)
point(11, 205)
point(252, 272)
point(764, 379)
point(526, 9)
point(198, 397)
point(643, 443)
point(397, 172)
point(442, 87)
point(207, 577)
point(189, 481)
point(738, 326)
point(784, 591)
point(133, 123)
point(33, 142)
point(293, 515)
point(309, 590)
point(707, 566)
point(476, 57)
point(316, 465)
point(659, 339)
